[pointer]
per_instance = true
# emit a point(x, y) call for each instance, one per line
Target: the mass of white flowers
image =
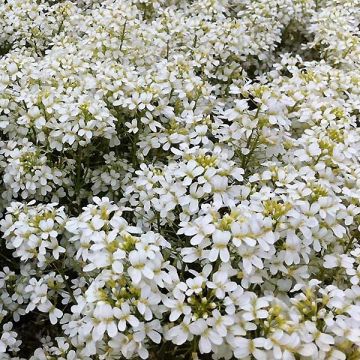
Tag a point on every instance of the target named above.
point(179, 179)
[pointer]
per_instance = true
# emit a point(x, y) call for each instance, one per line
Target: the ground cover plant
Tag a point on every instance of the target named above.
point(180, 179)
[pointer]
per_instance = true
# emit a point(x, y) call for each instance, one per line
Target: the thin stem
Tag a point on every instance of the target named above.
point(123, 34)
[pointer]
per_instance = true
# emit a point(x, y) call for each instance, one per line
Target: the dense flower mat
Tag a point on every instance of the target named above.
point(180, 179)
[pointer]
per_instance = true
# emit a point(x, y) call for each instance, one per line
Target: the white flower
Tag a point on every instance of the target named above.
point(141, 267)
point(322, 340)
point(208, 337)
point(219, 248)
point(177, 305)
point(254, 309)
point(180, 177)
point(181, 333)
point(220, 322)
point(55, 314)
point(104, 321)
point(132, 126)
point(151, 330)
point(220, 282)
point(246, 347)
point(124, 315)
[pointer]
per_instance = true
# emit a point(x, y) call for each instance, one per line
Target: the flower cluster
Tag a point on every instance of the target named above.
point(180, 179)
